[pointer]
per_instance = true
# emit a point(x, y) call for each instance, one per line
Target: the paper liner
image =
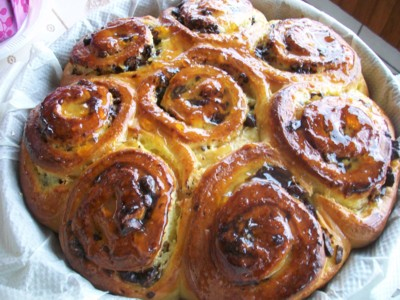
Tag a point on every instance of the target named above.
point(31, 260)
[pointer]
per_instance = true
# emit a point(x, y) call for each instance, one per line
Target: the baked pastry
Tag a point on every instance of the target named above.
point(210, 154)
point(71, 128)
point(295, 50)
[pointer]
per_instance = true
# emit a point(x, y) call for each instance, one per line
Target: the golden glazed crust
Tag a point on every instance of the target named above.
point(210, 154)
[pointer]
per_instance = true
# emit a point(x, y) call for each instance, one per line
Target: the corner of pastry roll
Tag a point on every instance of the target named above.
point(72, 127)
point(123, 45)
point(223, 22)
point(177, 155)
point(254, 234)
point(120, 226)
point(296, 50)
point(344, 142)
point(205, 98)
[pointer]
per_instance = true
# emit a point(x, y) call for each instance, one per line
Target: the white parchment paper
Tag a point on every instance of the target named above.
point(31, 260)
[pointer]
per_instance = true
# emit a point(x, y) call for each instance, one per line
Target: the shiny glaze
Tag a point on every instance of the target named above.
point(304, 49)
point(73, 121)
point(249, 237)
point(233, 22)
point(116, 216)
point(122, 45)
point(201, 97)
point(344, 139)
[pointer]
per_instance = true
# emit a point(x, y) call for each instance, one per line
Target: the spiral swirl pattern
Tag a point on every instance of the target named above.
point(128, 196)
point(303, 49)
point(204, 98)
point(251, 234)
point(122, 45)
point(77, 121)
point(345, 138)
point(233, 22)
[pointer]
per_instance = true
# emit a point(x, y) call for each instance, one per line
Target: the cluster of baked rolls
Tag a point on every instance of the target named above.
point(210, 153)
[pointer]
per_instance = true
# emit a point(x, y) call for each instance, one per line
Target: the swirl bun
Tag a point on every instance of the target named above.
point(345, 141)
point(207, 97)
point(251, 234)
point(211, 154)
point(227, 22)
point(71, 128)
point(296, 50)
point(126, 244)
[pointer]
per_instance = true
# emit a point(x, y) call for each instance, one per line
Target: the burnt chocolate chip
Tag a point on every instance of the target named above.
point(145, 278)
point(217, 118)
point(278, 239)
point(329, 251)
point(87, 41)
point(250, 121)
point(339, 255)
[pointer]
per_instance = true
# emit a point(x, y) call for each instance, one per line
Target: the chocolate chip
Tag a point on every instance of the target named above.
point(389, 178)
point(147, 185)
point(217, 118)
point(339, 255)
point(97, 237)
point(329, 251)
point(396, 149)
point(145, 278)
point(243, 79)
point(250, 121)
point(76, 248)
point(115, 93)
point(118, 69)
point(278, 239)
point(206, 12)
point(199, 102)
point(148, 200)
point(150, 295)
point(87, 41)
point(146, 53)
point(178, 91)
point(102, 54)
point(131, 63)
point(129, 225)
point(156, 39)
point(293, 125)
point(253, 20)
